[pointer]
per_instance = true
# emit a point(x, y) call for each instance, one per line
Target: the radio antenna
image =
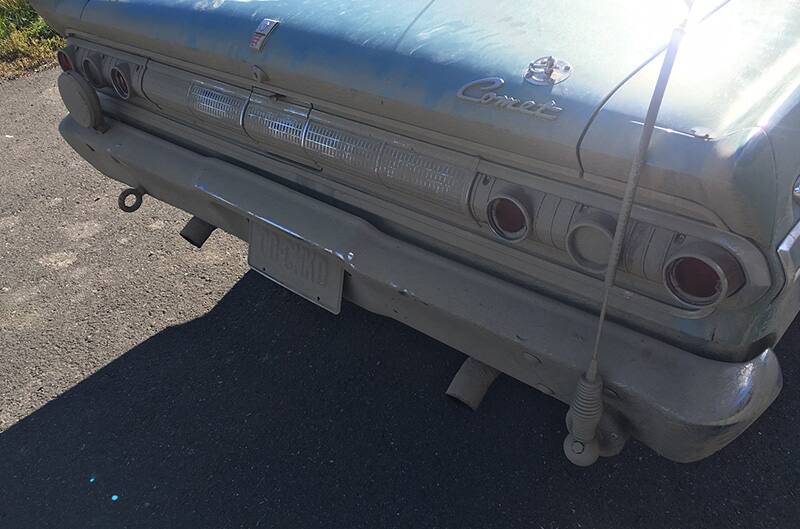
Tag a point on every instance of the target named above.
point(581, 446)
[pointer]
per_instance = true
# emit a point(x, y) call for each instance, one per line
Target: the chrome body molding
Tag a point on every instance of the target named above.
point(789, 254)
point(483, 91)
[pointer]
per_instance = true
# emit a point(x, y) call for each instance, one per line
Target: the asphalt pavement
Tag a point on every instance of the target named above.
point(144, 383)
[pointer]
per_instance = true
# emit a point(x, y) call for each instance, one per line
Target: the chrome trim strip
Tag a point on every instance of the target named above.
point(789, 255)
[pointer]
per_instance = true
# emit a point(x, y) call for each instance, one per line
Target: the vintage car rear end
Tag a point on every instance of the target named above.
point(460, 170)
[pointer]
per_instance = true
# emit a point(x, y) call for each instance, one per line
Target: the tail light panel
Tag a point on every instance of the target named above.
point(117, 75)
point(686, 265)
point(692, 267)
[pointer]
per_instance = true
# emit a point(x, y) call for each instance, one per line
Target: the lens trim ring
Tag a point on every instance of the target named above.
point(513, 237)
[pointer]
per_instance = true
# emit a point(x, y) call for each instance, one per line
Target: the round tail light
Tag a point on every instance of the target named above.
point(93, 71)
point(702, 274)
point(589, 241)
point(64, 61)
point(508, 218)
point(120, 83)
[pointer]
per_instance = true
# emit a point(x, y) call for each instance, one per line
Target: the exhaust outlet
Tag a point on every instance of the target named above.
point(197, 231)
point(472, 382)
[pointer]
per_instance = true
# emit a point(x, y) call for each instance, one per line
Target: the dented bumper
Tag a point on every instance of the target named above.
point(683, 406)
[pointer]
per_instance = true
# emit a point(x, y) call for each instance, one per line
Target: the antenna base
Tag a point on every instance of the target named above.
point(581, 446)
point(582, 454)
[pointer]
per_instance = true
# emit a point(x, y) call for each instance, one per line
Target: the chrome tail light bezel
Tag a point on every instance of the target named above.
point(496, 225)
point(729, 273)
point(120, 80)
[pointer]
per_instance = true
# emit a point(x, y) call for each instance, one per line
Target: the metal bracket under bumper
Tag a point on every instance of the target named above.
point(683, 406)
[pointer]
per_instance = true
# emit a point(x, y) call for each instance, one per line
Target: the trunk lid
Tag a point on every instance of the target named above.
point(406, 61)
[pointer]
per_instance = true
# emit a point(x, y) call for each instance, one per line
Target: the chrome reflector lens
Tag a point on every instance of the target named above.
point(272, 124)
point(425, 176)
point(357, 153)
point(393, 165)
point(216, 103)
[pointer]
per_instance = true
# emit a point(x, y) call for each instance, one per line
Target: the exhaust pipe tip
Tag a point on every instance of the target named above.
point(197, 231)
point(471, 383)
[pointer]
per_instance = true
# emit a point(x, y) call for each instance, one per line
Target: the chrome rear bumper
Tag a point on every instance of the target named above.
point(683, 406)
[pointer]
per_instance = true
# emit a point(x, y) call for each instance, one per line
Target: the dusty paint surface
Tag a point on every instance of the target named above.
point(148, 385)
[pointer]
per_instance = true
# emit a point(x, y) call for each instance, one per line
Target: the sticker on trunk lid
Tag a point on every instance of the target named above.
point(261, 33)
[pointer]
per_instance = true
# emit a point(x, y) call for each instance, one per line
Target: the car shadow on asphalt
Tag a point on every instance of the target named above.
point(270, 412)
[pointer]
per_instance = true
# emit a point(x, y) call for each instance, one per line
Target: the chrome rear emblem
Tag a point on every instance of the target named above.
point(483, 91)
point(261, 33)
point(548, 71)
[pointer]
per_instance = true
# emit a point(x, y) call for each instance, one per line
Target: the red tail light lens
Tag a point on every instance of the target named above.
point(508, 218)
point(64, 61)
point(695, 280)
point(703, 274)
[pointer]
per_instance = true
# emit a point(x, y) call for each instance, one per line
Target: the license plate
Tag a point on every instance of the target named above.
point(296, 265)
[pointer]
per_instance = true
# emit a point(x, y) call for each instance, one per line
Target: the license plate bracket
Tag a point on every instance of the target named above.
point(296, 265)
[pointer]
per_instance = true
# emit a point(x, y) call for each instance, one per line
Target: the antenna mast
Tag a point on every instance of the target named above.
point(581, 446)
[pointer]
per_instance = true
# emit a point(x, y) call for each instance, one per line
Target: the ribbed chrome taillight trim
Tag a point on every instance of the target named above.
point(272, 124)
point(216, 103)
point(355, 152)
point(375, 160)
point(425, 176)
point(381, 157)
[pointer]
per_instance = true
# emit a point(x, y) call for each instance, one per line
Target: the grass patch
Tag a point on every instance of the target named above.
point(26, 41)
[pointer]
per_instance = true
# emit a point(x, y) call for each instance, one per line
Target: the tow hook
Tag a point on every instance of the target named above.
point(138, 196)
